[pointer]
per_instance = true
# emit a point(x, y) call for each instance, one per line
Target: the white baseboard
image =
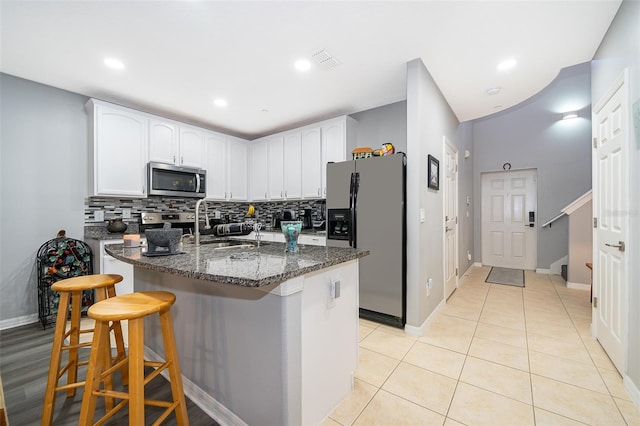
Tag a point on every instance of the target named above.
point(633, 390)
point(473, 265)
point(543, 271)
point(206, 402)
point(17, 322)
point(579, 286)
point(478, 264)
point(419, 331)
point(556, 267)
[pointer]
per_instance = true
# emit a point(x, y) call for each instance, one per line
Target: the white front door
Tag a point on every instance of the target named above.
point(451, 218)
point(509, 201)
point(611, 211)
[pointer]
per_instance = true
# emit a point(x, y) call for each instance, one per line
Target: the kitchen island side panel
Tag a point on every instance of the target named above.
point(241, 346)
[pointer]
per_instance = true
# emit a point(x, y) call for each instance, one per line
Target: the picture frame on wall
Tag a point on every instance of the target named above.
point(433, 172)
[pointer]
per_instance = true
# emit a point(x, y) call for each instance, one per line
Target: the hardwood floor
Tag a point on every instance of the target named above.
point(24, 364)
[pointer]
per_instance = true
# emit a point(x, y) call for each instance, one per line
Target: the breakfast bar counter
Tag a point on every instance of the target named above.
point(264, 337)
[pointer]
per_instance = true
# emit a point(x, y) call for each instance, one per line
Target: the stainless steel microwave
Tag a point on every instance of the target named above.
point(176, 181)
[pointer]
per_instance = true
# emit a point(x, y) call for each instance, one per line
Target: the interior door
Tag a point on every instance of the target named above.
point(509, 202)
point(451, 218)
point(610, 197)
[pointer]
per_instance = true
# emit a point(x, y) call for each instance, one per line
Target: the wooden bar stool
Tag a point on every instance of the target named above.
point(71, 290)
point(133, 307)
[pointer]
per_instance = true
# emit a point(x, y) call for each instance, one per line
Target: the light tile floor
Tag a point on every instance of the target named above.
point(495, 355)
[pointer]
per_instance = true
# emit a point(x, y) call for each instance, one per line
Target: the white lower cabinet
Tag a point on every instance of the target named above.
point(312, 240)
point(278, 237)
point(103, 263)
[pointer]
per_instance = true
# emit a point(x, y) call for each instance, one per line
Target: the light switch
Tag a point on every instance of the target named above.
point(422, 216)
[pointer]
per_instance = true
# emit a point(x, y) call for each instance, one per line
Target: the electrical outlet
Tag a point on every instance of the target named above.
point(468, 255)
point(126, 213)
point(429, 286)
point(422, 215)
point(98, 215)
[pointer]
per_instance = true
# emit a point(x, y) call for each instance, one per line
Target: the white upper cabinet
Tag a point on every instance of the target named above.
point(311, 162)
point(259, 170)
point(191, 143)
point(120, 142)
point(335, 134)
point(163, 141)
point(174, 143)
point(216, 147)
point(275, 170)
point(226, 167)
point(237, 172)
point(292, 165)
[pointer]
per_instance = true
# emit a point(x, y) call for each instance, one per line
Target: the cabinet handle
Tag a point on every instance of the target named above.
point(181, 160)
point(281, 194)
point(174, 159)
point(265, 195)
point(318, 191)
point(285, 194)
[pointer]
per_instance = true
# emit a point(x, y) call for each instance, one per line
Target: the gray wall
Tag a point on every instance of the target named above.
point(580, 245)
point(429, 119)
point(464, 142)
point(44, 173)
point(620, 48)
point(385, 124)
point(532, 135)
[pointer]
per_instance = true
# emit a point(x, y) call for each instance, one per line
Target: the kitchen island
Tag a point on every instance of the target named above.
point(263, 336)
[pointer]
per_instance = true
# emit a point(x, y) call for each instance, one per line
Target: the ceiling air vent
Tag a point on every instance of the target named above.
point(325, 60)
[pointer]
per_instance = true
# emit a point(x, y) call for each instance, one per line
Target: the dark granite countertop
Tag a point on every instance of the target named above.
point(248, 267)
point(100, 232)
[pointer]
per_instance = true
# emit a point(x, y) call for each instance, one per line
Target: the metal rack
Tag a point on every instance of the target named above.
point(58, 259)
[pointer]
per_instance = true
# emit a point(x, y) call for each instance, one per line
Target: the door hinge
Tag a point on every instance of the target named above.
point(595, 142)
point(595, 302)
point(456, 220)
point(456, 272)
point(595, 222)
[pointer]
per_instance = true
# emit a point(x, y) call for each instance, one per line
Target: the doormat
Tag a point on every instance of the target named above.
point(506, 276)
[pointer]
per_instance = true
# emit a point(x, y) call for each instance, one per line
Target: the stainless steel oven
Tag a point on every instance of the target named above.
point(177, 181)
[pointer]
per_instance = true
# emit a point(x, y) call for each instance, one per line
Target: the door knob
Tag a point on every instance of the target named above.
point(620, 246)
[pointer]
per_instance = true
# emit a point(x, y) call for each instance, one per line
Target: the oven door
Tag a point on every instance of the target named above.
point(170, 180)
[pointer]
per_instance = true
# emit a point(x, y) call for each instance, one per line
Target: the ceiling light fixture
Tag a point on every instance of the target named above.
point(569, 115)
point(494, 90)
point(507, 64)
point(302, 65)
point(220, 103)
point(114, 63)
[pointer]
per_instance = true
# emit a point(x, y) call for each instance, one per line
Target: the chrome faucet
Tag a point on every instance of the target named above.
point(197, 219)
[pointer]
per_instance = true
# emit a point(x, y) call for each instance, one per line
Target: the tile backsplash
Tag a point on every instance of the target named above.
point(235, 211)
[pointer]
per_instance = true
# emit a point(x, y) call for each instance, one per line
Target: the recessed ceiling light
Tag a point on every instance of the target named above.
point(220, 102)
point(114, 63)
point(302, 65)
point(494, 90)
point(507, 64)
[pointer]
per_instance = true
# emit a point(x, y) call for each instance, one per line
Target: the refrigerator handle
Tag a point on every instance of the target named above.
point(354, 217)
point(351, 187)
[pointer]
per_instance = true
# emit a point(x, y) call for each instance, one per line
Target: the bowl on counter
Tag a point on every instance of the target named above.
point(165, 237)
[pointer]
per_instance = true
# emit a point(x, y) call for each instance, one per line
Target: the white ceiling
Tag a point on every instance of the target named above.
point(180, 56)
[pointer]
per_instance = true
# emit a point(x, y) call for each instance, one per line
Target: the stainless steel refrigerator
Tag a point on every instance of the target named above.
point(366, 209)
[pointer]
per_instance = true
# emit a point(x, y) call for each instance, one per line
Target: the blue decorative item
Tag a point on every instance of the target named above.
point(291, 230)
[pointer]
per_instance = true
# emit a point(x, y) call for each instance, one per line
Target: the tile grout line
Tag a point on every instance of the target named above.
point(466, 355)
point(590, 355)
